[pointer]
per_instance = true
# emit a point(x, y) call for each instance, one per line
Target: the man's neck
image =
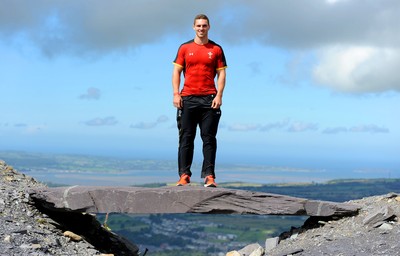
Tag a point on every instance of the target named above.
point(201, 40)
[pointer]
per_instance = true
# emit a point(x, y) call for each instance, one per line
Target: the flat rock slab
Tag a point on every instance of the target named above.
point(187, 199)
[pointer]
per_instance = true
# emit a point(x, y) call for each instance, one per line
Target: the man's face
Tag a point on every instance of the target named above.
point(201, 27)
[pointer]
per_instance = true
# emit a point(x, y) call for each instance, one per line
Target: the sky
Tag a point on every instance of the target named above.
point(309, 83)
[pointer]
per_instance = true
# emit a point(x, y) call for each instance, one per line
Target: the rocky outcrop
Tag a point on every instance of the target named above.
point(182, 200)
point(27, 229)
point(374, 231)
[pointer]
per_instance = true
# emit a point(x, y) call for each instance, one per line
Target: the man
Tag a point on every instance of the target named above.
point(199, 101)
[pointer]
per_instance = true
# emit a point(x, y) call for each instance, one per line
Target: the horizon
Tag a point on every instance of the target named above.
point(123, 171)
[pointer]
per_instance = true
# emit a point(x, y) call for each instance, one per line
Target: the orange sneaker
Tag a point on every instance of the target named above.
point(210, 182)
point(184, 180)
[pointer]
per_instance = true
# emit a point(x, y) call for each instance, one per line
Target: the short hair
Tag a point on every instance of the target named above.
point(201, 17)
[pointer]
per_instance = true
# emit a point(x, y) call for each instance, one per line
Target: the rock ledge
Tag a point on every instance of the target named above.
point(183, 200)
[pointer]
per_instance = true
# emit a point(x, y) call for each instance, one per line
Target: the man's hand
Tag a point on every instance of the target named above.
point(176, 80)
point(177, 101)
point(217, 102)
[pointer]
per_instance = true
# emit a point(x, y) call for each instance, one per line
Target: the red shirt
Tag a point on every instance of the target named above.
point(200, 64)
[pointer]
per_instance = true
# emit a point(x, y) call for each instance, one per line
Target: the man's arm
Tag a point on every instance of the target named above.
point(221, 78)
point(176, 81)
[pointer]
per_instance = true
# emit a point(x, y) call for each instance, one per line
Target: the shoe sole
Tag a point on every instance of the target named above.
point(210, 185)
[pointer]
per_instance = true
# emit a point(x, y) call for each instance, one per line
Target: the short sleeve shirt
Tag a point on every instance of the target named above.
point(200, 64)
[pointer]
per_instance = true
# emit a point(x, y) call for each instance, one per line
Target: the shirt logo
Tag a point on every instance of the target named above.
point(191, 53)
point(210, 55)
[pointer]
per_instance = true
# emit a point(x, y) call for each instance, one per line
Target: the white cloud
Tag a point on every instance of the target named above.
point(371, 128)
point(243, 127)
point(162, 119)
point(277, 126)
point(358, 69)
point(150, 125)
point(102, 25)
point(106, 121)
point(334, 1)
point(144, 125)
point(358, 41)
point(284, 125)
point(91, 94)
point(33, 129)
point(302, 127)
point(335, 130)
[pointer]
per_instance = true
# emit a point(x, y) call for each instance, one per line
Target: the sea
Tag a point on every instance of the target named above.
point(226, 174)
point(112, 171)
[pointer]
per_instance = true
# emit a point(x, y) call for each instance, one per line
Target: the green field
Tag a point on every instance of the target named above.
point(163, 233)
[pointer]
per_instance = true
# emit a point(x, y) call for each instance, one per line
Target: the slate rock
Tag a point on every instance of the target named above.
point(252, 250)
point(271, 243)
point(183, 200)
point(378, 215)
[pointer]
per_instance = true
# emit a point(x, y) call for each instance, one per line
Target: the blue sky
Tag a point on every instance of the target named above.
point(308, 83)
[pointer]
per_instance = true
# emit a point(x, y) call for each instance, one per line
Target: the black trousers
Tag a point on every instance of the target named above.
point(197, 111)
